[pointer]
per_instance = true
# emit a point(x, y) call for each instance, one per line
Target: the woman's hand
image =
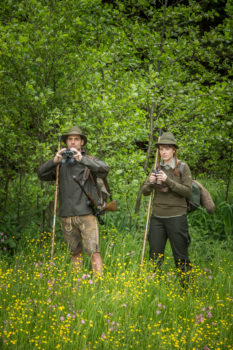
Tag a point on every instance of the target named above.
point(152, 178)
point(161, 176)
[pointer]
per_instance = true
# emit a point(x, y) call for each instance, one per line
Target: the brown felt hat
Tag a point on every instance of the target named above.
point(75, 130)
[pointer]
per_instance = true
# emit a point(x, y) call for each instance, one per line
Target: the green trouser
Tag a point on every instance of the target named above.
point(176, 230)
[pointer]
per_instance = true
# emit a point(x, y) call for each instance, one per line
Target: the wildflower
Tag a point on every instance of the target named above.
point(62, 318)
point(124, 305)
point(200, 319)
point(90, 281)
point(82, 321)
point(103, 336)
point(161, 306)
point(131, 253)
point(158, 312)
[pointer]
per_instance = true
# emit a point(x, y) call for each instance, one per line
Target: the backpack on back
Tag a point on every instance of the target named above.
point(199, 196)
point(195, 199)
point(103, 191)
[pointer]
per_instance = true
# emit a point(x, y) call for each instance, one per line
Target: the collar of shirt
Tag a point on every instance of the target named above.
point(168, 166)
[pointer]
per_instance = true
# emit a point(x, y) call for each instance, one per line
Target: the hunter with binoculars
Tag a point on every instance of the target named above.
point(172, 188)
point(77, 176)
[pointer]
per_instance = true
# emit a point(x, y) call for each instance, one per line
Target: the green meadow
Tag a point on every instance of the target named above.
point(122, 70)
point(46, 306)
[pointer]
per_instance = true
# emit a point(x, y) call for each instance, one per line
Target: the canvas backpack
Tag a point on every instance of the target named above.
point(103, 191)
point(199, 196)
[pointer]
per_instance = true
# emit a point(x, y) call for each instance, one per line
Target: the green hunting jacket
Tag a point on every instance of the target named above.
point(173, 202)
point(72, 201)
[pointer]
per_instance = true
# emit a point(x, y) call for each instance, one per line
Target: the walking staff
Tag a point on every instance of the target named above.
point(55, 203)
point(149, 205)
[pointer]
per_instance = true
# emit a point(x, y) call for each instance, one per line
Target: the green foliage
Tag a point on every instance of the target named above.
point(217, 226)
point(102, 65)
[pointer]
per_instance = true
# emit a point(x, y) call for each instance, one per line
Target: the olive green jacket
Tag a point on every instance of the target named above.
point(72, 201)
point(173, 202)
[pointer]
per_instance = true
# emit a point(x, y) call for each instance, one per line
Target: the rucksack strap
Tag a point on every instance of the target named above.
point(85, 175)
point(180, 167)
point(107, 187)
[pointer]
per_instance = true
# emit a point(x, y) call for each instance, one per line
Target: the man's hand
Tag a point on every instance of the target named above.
point(77, 154)
point(58, 157)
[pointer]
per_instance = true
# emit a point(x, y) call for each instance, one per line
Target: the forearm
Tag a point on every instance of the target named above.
point(183, 189)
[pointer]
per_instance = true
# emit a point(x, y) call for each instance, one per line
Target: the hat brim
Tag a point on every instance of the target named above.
point(166, 143)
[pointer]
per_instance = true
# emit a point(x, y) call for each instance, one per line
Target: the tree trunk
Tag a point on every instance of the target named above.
point(148, 153)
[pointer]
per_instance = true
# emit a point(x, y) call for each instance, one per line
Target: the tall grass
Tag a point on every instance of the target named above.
point(130, 307)
point(53, 307)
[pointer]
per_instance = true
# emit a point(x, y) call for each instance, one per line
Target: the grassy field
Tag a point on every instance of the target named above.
point(53, 307)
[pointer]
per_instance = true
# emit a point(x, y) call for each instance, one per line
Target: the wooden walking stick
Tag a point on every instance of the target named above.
point(149, 206)
point(55, 202)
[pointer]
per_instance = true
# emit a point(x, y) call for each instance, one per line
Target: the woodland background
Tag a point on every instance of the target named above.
point(121, 70)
